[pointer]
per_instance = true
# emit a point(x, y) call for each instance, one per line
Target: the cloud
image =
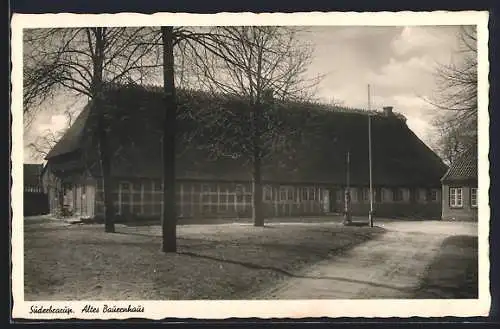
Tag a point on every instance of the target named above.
point(418, 39)
point(414, 75)
point(413, 39)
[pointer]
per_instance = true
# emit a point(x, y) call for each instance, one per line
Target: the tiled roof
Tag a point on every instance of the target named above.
point(464, 168)
point(317, 154)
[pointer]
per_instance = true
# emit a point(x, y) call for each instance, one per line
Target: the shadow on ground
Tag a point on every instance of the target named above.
point(454, 271)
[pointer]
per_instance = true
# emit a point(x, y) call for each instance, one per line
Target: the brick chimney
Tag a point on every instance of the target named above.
point(387, 111)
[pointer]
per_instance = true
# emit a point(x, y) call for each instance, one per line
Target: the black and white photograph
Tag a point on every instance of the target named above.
point(278, 165)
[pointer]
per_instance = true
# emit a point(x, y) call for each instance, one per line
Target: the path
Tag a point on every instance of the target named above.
point(389, 266)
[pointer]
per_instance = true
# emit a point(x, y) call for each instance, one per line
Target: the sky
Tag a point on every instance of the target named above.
point(397, 62)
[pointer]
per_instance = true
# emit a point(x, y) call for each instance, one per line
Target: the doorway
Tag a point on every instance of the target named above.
point(334, 205)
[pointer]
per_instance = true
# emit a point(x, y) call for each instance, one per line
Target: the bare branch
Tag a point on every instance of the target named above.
point(456, 99)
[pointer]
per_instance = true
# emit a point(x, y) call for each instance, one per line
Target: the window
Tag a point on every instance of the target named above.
point(353, 193)
point(124, 198)
point(267, 193)
point(455, 197)
point(205, 188)
point(397, 194)
point(304, 193)
point(473, 197)
point(286, 193)
point(412, 195)
point(383, 195)
point(157, 185)
point(248, 198)
point(366, 194)
point(282, 193)
point(434, 195)
point(312, 193)
point(239, 190)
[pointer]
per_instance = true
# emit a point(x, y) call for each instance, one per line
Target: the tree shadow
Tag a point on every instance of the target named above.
point(138, 234)
point(302, 248)
point(294, 275)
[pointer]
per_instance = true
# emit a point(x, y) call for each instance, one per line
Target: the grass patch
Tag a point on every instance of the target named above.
point(454, 271)
point(81, 262)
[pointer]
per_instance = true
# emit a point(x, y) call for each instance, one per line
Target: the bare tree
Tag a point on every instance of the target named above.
point(47, 139)
point(42, 144)
point(456, 99)
point(84, 60)
point(257, 65)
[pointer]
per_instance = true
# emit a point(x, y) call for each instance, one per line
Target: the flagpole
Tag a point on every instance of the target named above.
point(370, 215)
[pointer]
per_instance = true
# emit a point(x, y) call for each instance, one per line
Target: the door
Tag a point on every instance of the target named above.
point(332, 195)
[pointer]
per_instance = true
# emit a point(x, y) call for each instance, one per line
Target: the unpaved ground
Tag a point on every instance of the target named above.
point(448, 228)
point(81, 262)
point(396, 264)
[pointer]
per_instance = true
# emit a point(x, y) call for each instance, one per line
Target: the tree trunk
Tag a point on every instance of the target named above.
point(257, 213)
point(100, 115)
point(169, 216)
point(107, 181)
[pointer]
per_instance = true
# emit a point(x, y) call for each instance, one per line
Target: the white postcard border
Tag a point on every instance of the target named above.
point(213, 309)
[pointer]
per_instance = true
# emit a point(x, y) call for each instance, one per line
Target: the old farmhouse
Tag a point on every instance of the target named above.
point(460, 198)
point(304, 168)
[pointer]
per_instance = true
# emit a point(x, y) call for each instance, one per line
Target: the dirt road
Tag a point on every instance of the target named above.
point(390, 266)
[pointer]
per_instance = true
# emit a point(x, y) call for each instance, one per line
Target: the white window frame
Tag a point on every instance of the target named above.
point(120, 199)
point(154, 193)
point(311, 194)
point(304, 193)
point(268, 193)
point(283, 193)
point(454, 200)
point(473, 204)
point(366, 194)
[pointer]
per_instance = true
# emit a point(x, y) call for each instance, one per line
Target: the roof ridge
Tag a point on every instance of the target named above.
point(156, 88)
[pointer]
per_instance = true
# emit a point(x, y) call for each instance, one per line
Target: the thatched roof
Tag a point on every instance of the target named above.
point(316, 141)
